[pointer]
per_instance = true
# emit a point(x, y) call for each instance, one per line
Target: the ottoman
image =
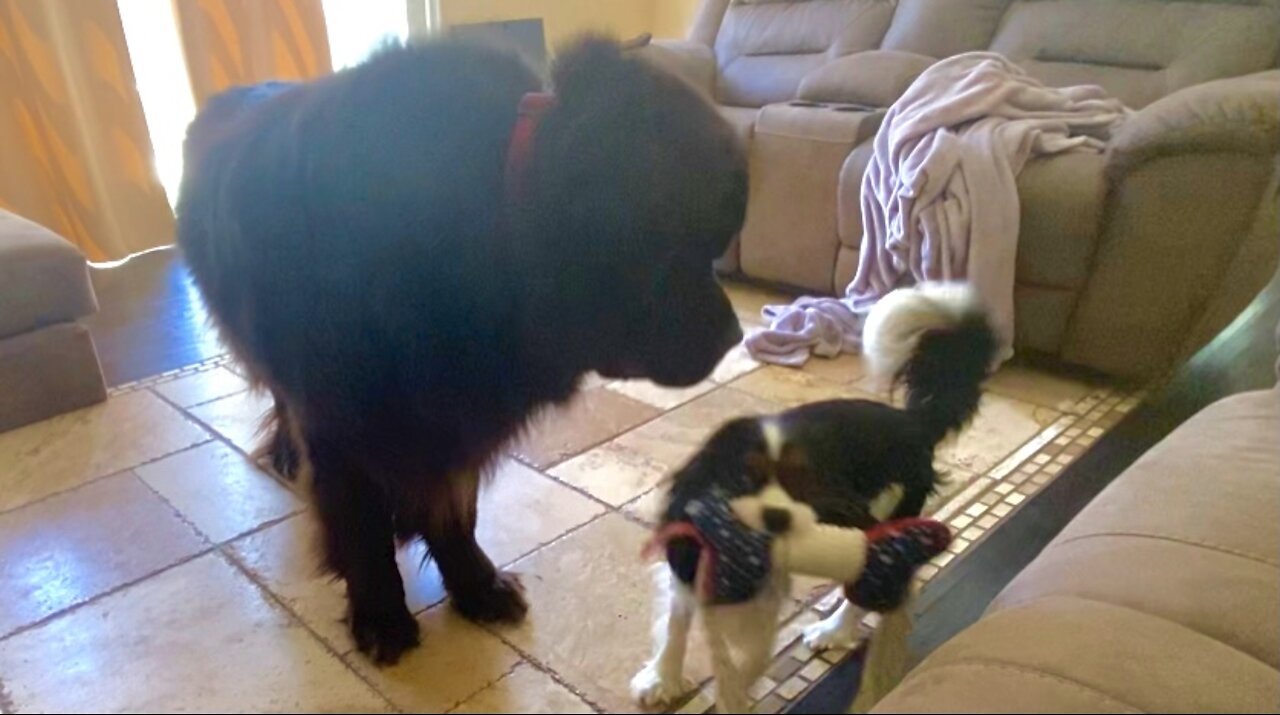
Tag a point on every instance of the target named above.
point(48, 364)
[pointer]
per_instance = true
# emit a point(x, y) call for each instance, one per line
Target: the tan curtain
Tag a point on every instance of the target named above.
point(234, 42)
point(75, 154)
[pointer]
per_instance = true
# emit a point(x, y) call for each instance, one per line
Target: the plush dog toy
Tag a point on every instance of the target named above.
point(748, 547)
point(879, 563)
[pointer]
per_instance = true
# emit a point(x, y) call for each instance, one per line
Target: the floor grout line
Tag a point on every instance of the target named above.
point(572, 487)
point(294, 487)
point(279, 602)
point(519, 662)
point(108, 475)
point(124, 586)
point(174, 374)
point(546, 670)
point(210, 546)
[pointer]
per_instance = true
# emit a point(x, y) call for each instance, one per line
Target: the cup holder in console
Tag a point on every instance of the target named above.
point(844, 107)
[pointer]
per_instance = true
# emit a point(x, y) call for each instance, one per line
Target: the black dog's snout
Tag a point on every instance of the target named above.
point(733, 335)
point(776, 521)
point(730, 338)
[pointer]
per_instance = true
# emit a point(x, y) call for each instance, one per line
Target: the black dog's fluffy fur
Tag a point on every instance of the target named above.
point(838, 456)
point(354, 241)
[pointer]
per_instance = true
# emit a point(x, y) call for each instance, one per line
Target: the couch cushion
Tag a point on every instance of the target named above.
point(742, 119)
point(846, 269)
point(763, 49)
point(849, 192)
point(1188, 533)
point(1062, 200)
point(941, 28)
point(1073, 655)
point(1214, 592)
point(797, 152)
point(706, 21)
point(876, 78)
point(1132, 322)
point(43, 278)
point(1159, 597)
point(1043, 314)
point(1139, 50)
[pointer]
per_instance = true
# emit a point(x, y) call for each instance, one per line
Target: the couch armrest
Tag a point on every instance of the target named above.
point(875, 78)
point(691, 61)
point(1189, 226)
point(1236, 115)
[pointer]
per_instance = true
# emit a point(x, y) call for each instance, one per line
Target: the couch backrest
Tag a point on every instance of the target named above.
point(1139, 50)
point(942, 28)
point(764, 47)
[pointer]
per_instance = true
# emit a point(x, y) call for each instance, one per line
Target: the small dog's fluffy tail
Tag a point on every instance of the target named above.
point(936, 340)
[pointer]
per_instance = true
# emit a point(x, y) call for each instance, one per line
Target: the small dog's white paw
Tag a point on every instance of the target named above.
point(651, 689)
point(830, 634)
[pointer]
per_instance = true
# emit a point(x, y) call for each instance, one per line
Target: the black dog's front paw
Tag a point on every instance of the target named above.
point(499, 601)
point(384, 637)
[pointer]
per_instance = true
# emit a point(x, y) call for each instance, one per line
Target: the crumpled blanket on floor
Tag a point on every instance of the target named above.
point(940, 196)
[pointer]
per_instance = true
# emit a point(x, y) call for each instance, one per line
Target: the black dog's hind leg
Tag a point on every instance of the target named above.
point(280, 450)
point(359, 547)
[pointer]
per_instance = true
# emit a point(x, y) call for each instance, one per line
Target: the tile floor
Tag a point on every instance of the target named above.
point(146, 564)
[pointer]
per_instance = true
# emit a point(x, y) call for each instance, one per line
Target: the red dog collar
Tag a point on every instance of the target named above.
point(532, 106)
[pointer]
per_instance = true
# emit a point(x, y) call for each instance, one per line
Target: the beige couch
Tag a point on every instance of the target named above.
point(48, 363)
point(1126, 261)
point(1163, 595)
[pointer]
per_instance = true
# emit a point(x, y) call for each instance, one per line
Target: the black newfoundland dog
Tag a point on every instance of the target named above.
point(360, 246)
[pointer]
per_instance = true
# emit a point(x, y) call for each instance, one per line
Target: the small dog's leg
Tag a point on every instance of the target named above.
point(753, 637)
point(662, 680)
point(839, 630)
point(747, 631)
point(731, 690)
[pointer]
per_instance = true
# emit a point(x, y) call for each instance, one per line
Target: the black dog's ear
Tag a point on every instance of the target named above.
point(590, 64)
point(637, 42)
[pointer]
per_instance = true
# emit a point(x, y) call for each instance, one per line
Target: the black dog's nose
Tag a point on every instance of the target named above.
point(776, 521)
point(732, 336)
